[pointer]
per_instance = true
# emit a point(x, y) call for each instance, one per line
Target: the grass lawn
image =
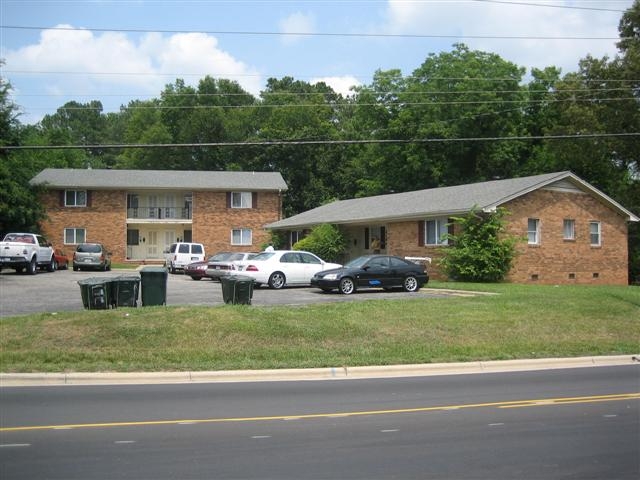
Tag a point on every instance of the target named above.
point(519, 322)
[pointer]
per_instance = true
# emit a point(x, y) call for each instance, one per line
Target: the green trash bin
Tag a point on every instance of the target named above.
point(96, 293)
point(237, 289)
point(124, 291)
point(154, 286)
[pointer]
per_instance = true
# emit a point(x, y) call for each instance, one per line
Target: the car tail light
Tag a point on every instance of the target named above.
point(251, 268)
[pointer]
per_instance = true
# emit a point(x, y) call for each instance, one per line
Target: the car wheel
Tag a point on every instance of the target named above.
point(195, 278)
point(33, 267)
point(53, 265)
point(277, 280)
point(347, 286)
point(411, 284)
point(75, 269)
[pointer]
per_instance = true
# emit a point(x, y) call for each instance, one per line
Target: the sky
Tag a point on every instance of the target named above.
point(115, 51)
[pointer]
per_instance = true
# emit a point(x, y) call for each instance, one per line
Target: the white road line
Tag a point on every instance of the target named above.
point(120, 442)
point(15, 445)
point(261, 436)
point(391, 430)
point(496, 424)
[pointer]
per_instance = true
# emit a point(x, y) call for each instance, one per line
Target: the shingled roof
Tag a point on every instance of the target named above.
point(436, 202)
point(105, 179)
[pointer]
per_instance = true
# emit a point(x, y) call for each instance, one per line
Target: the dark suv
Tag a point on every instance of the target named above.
point(91, 256)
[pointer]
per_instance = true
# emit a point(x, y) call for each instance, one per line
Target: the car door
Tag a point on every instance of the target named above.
point(292, 267)
point(374, 272)
point(310, 266)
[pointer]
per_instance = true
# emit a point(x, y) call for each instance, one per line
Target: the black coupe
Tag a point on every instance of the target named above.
point(373, 271)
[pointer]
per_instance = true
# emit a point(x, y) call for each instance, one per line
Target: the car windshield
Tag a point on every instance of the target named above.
point(220, 257)
point(236, 256)
point(263, 256)
point(89, 248)
point(357, 262)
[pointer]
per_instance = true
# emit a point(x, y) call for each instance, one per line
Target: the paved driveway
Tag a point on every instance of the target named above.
point(59, 291)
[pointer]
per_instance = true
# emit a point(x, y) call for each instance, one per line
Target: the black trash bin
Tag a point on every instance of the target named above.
point(96, 293)
point(124, 291)
point(237, 289)
point(154, 286)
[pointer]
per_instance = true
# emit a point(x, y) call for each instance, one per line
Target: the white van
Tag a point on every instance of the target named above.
point(179, 255)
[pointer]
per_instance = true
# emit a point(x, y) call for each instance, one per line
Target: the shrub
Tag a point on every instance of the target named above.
point(326, 241)
point(481, 252)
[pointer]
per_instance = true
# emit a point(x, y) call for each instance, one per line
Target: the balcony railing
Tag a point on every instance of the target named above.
point(159, 213)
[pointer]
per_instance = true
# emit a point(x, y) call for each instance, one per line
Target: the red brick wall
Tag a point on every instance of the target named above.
point(554, 261)
point(402, 240)
point(213, 220)
point(105, 220)
point(559, 261)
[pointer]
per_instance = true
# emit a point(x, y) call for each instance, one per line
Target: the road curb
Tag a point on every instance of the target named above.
point(296, 374)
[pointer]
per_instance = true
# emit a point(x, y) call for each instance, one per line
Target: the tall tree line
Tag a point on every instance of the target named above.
point(462, 116)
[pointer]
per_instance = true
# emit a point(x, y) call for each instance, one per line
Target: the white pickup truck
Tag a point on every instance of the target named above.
point(26, 251)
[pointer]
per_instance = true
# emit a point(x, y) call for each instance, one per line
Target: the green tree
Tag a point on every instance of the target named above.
point(326, 241)
point(481, 251)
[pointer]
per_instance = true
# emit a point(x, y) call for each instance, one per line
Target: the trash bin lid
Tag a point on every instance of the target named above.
point(240, 278)
point(95, 281)
point(153, 270)
point(127, 278)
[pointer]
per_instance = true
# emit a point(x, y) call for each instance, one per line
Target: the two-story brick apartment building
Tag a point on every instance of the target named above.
point(137, 214)
point(571, 232)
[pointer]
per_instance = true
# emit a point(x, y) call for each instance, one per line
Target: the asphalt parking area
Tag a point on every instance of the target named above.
point(59, 291)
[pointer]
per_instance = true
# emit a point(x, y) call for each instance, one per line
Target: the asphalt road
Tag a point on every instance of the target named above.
point(580, 423)
point(59, 291)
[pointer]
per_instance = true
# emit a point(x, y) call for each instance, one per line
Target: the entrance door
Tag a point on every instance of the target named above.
point(152, 244)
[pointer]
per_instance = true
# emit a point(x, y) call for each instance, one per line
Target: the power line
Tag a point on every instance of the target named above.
point(307, 94)
point(548, 5)
point(322, 142)
point(346, 105)
point(316, 34)
point(250, 75)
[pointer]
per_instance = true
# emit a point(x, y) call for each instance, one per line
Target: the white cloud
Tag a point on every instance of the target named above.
point(340, 85)
point(500, 19)
point(106, 64)
point(296, 23)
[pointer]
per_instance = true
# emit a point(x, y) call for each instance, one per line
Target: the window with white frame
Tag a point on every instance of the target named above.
point(74, 235)
point(241, 200)
point(595, 233)
point(75, 198)
point(533, 231)
point(435, 230)
point(569, 229)
point(241, 236)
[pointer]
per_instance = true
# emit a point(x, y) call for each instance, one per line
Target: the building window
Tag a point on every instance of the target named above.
point(533, 231)
point(595, 234)
point(75, 198)
point(241, 236)
point(569, 229)
point(435, 231)
point(241, 200)
point(74, 235)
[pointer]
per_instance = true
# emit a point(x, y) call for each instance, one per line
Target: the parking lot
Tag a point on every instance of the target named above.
point(59, 291)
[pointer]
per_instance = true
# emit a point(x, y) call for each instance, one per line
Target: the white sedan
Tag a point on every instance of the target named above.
point(283, 267)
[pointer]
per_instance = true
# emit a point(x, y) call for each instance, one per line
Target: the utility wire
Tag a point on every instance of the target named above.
point(315, 34)
point(548, 5)
point(345, 105)
point(320, 142)
point(308, 94)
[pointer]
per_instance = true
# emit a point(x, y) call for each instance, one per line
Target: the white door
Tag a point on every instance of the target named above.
point(152, 244)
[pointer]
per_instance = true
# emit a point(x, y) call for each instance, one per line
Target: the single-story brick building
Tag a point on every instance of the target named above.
point(137, 214)
point(572, 232)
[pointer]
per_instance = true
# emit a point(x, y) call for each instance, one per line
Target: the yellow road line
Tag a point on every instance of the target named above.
point(507, 404)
